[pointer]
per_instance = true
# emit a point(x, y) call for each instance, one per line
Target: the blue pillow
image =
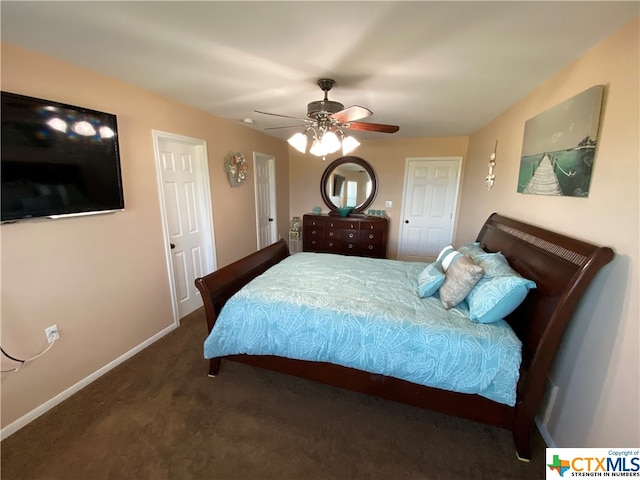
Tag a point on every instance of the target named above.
point(431, 279)
point(499, 291)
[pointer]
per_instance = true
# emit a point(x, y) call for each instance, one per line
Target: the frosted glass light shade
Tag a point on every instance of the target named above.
point(299, 142)
point(318, 149)
point(349, 144)
point(330, 142)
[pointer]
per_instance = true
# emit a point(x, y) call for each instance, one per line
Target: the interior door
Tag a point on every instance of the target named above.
point(265, 188)
point(186, 216)
point(430, 195)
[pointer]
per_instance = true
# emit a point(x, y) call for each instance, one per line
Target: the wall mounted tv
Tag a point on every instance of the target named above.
point(57, 160)
point(338, 182)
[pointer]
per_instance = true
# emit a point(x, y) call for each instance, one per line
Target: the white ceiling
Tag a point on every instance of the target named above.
point(433, 68)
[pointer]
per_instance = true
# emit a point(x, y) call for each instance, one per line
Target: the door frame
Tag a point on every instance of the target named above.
point(271, 165)
point(206, 212)
point(407, 161)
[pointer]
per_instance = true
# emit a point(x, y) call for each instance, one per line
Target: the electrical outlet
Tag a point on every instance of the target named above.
point(52, 333)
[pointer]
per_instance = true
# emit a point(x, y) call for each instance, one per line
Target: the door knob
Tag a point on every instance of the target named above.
point(271, 219)
point(406, 221)
point(173, 245)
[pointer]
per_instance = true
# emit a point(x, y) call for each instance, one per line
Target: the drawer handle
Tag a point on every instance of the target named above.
point(331, 244)
point(370, 247)
point(371, 235)
point(313, 232)
point(331, 234)
point(352, 226)
point(351, 235)
point(313, 242)
point(351, 245)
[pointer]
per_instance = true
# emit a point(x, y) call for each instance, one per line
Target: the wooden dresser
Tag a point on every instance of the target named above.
point(353, 235)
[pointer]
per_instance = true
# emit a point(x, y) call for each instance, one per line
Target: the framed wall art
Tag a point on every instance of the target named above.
point(559, 145)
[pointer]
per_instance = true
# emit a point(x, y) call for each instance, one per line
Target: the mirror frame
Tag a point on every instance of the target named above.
point(327, 175)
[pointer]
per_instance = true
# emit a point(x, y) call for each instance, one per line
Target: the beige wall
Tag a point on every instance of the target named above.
point(597, 369)
point(102, 279)
point(387, 157)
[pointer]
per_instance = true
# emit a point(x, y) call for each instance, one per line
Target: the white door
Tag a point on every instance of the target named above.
point(265, 187)
point(428, 207)
point(187, 220)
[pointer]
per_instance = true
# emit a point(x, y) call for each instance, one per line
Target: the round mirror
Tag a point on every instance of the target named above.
point(348, 182)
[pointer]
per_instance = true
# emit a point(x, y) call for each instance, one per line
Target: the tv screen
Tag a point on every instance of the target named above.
point(57, 159)
point(338, 181)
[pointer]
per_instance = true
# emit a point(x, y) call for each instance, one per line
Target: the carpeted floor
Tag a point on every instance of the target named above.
point(158, 416)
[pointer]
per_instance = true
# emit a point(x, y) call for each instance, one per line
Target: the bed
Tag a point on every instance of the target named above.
point(474, 380)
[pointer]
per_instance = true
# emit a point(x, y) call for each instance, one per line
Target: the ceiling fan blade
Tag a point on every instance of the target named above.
point(286, 126)
point(352, 113)
point(278, 115)
point(371, 127)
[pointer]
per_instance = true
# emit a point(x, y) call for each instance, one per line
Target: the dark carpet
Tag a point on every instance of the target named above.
point(158, 416)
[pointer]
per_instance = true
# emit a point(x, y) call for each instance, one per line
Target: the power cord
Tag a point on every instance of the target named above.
point(52, 340)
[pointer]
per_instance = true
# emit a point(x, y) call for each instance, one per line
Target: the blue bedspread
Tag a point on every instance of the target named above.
point(366, 314)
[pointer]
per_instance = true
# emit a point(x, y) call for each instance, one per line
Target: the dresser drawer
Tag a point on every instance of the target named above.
point(377, 250)
point(377, 226)
point(313, 222)
point(342, 247)
point(371, 236)
point(343, 224)
point(344, 235)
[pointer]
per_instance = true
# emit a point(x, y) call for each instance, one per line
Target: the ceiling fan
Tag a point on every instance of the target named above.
point(325, 121)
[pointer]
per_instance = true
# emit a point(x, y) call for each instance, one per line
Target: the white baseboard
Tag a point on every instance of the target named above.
point(49, 404)
point(546, 436)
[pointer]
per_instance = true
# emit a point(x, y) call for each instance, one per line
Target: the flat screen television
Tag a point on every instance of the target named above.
point(57, 160)
point(338, 182)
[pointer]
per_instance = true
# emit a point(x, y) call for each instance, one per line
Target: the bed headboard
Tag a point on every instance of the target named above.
point(562, 268)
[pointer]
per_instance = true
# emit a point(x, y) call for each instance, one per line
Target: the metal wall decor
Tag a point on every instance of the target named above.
point(236, 168)
point(491, 178)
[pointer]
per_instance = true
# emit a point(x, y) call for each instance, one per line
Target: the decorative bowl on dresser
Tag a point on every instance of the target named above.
point(353, 235)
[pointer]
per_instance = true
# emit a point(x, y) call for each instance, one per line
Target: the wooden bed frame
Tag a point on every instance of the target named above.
point(562, 268)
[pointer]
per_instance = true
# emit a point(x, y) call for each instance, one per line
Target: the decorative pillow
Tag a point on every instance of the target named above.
point(443, 252)
point(461, 277)
point(430, 280)
point(446, 257)
point(499, 292)
point(472, 249)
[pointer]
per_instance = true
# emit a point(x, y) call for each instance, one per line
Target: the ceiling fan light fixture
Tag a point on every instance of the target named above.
point(318, 149)
point(299, 142)
point(349, 144)
point(330, 142)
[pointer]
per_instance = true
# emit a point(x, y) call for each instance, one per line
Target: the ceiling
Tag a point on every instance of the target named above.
point(433, 68)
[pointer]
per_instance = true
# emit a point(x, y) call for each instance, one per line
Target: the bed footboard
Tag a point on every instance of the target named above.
point(217, 287)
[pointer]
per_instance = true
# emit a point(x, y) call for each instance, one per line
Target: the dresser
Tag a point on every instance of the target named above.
point(353, 235)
